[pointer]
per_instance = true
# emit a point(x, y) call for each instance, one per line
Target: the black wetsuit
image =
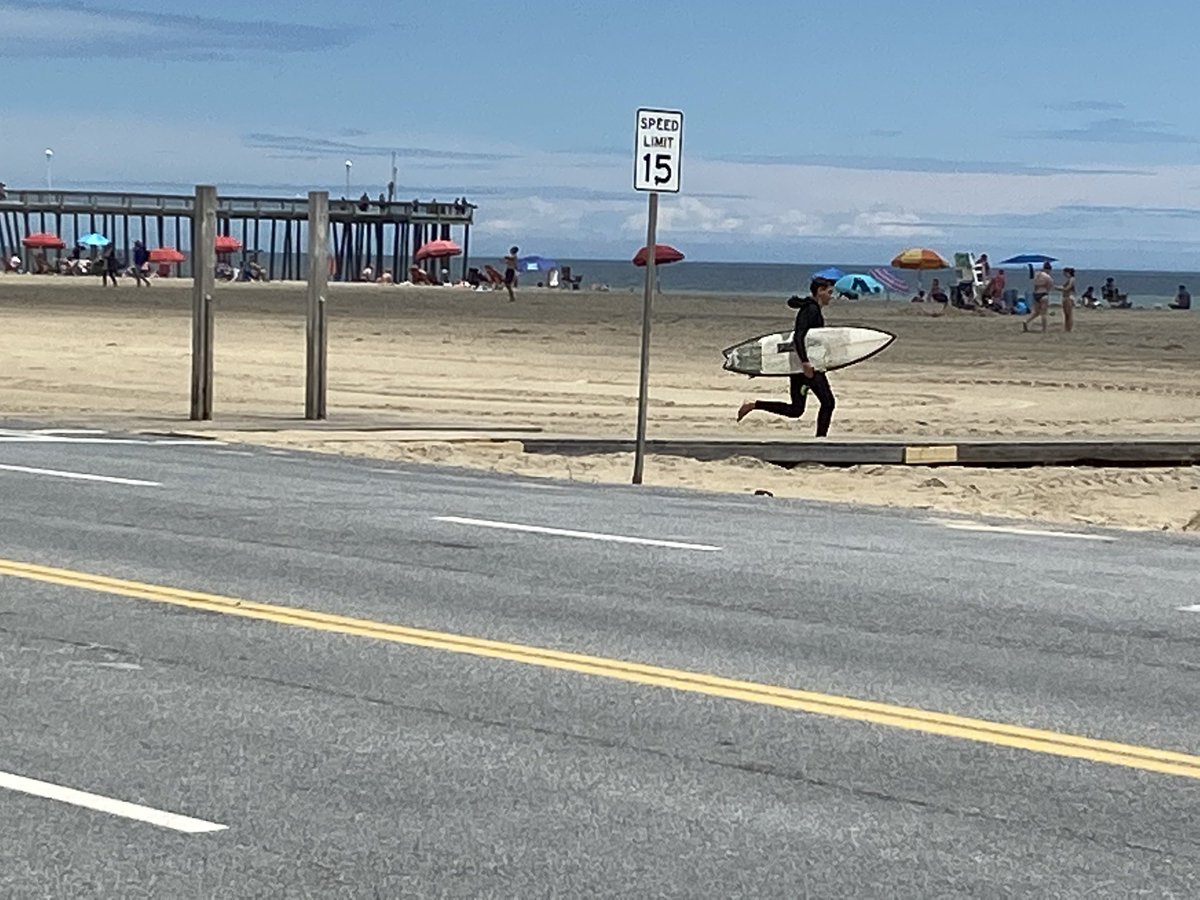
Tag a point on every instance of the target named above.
point(808, 316)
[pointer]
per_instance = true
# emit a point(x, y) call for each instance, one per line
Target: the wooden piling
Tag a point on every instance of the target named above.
point(316, 380)
point(204, 233)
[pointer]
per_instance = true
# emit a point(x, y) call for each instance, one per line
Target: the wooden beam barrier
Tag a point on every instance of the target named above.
point(969, 452)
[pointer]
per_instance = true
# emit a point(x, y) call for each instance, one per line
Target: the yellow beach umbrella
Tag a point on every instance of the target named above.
point(919, 258)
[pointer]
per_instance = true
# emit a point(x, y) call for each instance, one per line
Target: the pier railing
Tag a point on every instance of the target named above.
point(375, 233)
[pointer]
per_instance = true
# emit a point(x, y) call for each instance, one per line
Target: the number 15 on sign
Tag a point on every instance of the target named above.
point(658, 150)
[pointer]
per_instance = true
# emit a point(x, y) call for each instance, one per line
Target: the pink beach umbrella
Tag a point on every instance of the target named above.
point(439, 249)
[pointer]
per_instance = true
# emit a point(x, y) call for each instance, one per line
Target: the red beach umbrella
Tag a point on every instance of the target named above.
point(227, 244)
point(166, 255)
point(41, 240)
point(438, 249)
point(663, 254)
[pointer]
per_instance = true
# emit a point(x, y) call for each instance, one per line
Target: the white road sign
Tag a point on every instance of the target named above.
point(658, 150)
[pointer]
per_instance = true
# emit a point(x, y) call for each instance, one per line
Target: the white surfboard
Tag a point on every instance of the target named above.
point(828, 349)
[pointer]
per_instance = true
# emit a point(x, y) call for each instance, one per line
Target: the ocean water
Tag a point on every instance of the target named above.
point(1145, 288)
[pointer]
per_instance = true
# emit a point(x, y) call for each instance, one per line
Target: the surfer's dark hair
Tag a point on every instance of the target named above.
point(817, 283)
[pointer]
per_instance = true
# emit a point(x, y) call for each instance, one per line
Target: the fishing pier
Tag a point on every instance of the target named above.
point(383, 234)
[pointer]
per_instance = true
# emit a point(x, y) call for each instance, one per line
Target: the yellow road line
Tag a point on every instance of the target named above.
point(912, 719)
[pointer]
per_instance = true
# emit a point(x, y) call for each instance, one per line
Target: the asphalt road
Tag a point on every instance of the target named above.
point(327, 761)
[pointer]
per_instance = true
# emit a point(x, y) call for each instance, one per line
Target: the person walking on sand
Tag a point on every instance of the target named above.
point(808, 316)
point(1067, 289)
point(141, 264)
point(109, 266)
point(510, 272)
point(1043, 283)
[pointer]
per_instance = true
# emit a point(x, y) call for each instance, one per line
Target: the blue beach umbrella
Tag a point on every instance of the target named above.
point(94, 240)
point(833, 273)
point(535, 264)
point(1033, 259)
point(858, 284)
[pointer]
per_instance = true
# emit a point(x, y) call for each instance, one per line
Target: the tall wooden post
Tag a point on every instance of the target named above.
point(318, 282)
point(204, 235)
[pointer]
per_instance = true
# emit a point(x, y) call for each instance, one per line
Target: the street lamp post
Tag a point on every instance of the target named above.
point(49, 160)
point(349, 165)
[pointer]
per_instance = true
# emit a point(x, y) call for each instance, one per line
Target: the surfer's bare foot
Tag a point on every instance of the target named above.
point(745, 409)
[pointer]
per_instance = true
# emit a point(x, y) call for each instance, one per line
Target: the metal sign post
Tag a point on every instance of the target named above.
point(657, 151)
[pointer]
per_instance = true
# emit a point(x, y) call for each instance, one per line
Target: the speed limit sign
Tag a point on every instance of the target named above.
point(657, 150)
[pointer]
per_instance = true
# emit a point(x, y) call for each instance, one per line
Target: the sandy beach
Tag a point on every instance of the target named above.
point(404, 358)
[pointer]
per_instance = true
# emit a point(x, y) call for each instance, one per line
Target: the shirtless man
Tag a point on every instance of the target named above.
point(1043, 283)
point(510, 271)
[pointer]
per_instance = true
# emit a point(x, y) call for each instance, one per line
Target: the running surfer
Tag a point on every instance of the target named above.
point(808, 316)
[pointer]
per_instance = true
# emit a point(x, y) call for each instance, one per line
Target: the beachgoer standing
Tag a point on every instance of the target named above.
point(510, 271)
point(808, 316)
point(1042, 285)
point(109, 266)
point(1067, 288)
point(141, 264)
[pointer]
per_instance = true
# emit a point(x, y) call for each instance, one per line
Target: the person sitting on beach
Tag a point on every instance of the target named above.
point(1183, 300)
point(1089, 298)
point(368, 274)
point(1114, 297)
point(937, 294)
point(417, 275)
point(920, 298)
point(995, 289)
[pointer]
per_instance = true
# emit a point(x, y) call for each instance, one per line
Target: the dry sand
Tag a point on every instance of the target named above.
point(74, 352)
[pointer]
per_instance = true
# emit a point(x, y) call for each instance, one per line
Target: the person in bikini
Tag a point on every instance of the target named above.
point(1067, 289)
point(1043, 283)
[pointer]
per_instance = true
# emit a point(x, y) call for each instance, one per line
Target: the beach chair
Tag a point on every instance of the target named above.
point(971, 282)
point(494, 277)
point(569, 281)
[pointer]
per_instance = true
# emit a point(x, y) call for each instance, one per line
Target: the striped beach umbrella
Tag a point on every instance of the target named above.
point(919, 258)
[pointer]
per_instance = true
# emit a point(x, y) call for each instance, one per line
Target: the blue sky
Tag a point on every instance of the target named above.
point(813, 130)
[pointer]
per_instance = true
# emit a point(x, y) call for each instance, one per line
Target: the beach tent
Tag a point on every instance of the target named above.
point(857, 285)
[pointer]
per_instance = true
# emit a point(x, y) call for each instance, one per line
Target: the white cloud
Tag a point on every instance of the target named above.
point(686, 215)
point(885, 223)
